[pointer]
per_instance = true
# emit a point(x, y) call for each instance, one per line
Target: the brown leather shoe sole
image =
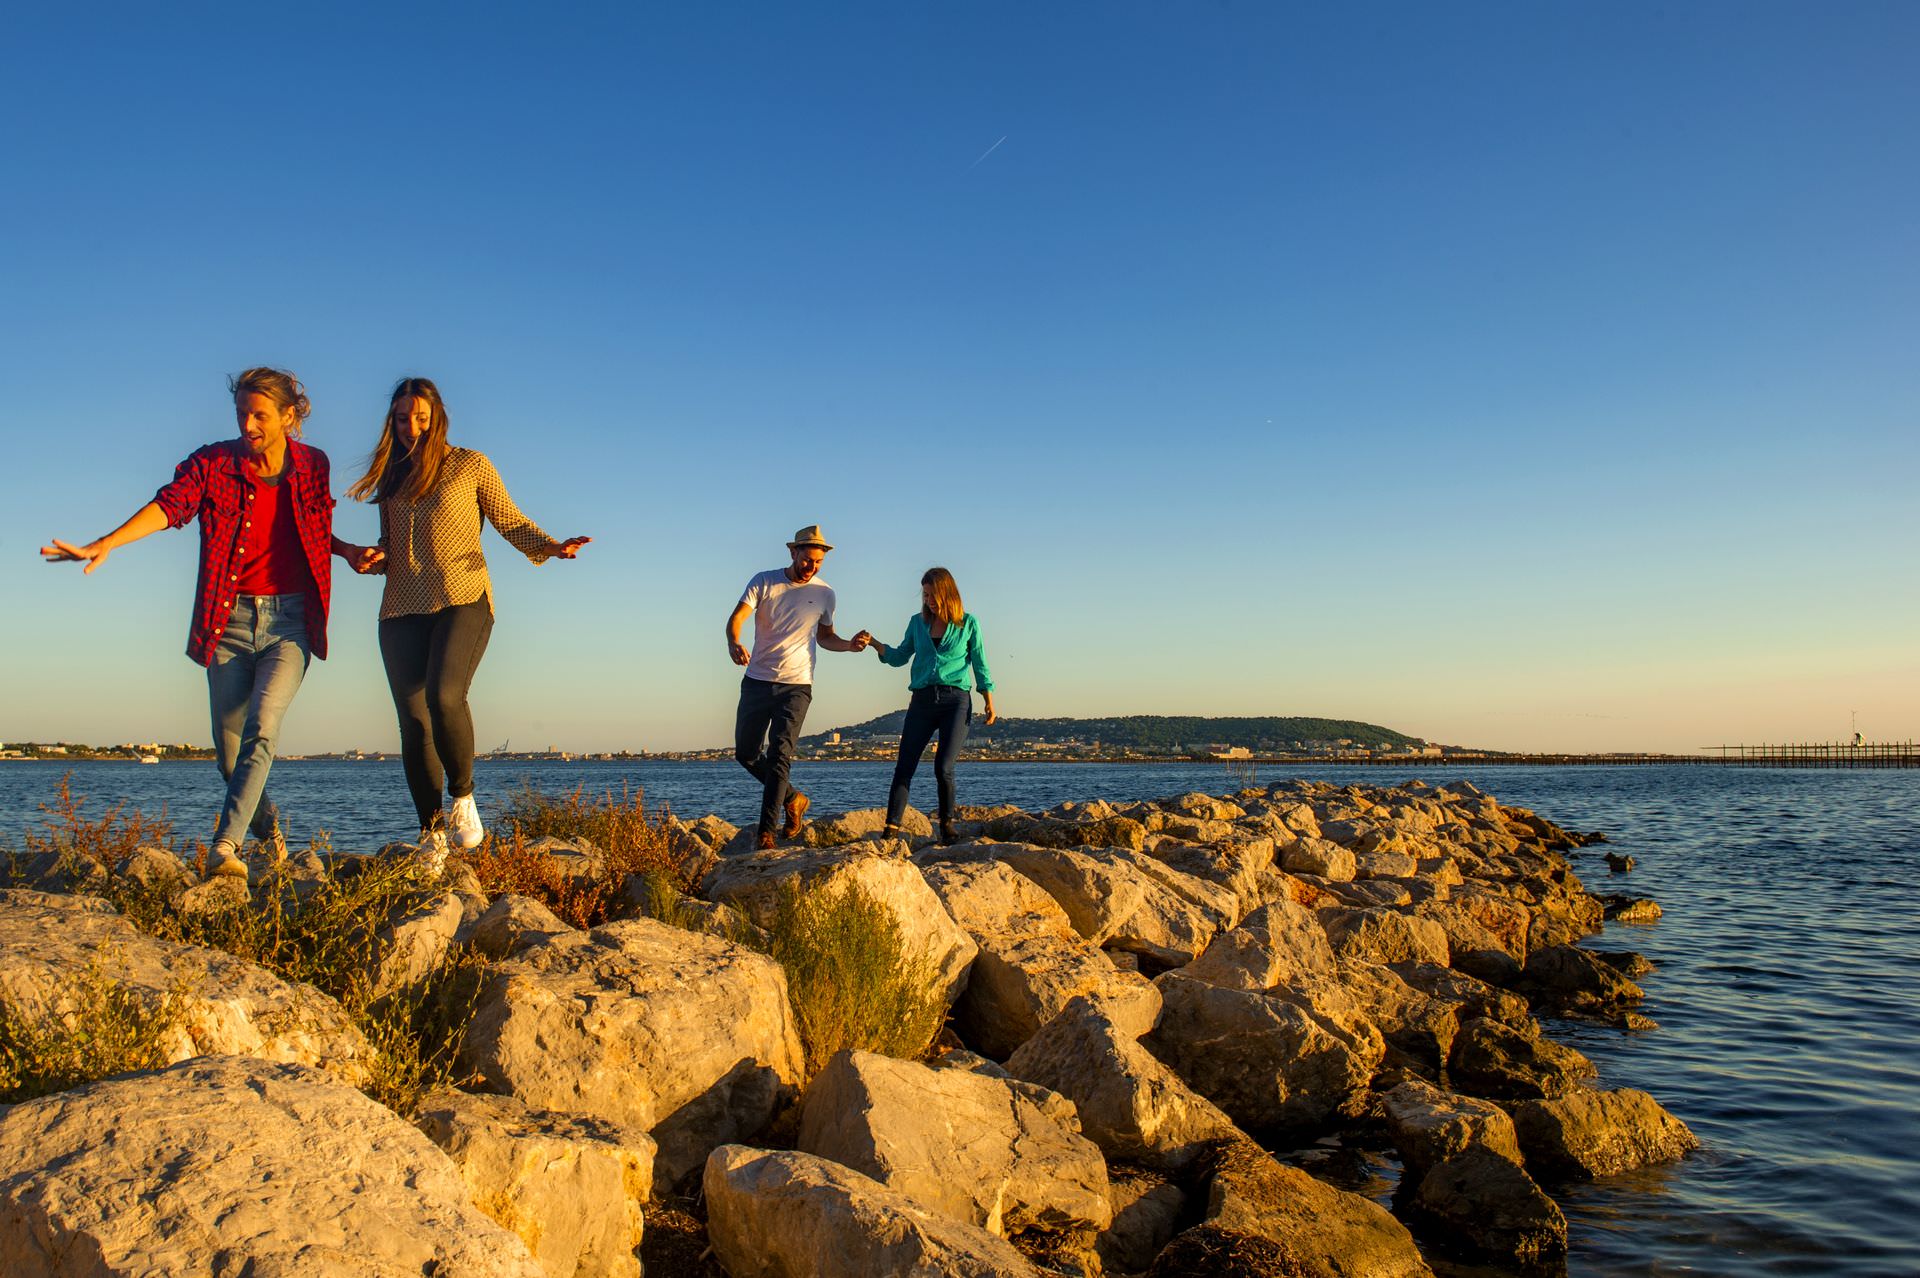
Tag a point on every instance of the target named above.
point(797, 805)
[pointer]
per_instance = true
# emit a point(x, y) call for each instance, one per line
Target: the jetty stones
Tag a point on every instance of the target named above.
point(793, 1215)
point(1587, 1134)
point(681, 1034)
point(226, 1165)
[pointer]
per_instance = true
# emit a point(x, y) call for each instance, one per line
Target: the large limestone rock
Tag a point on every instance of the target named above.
point(1234, 863)
point(753, 884)
point(1486, 1204)
point(1096, 830)
point(512, 923)
point(1507, 1062)
point(410, 948)
point(1130, 1104)
point(1146, 1213)
point(1030, 962)
point(1567, 980)
point(1126, 900)
point(864, 823)
point(1318, 857)
point(1385, 936)
point(1430, 1126)
point(227, 1165)
point(570, 1187)
point(225, 1005)
point(792, 1215)
point(1004, 1155)
point(1328, 1232)
point(1271, 1059)
point(1587, 1134)
point(677, 1033)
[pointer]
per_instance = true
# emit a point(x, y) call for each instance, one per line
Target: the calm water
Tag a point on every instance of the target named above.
point(1788, 993)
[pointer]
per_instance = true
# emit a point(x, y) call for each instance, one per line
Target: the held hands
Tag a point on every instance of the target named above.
point(366, 560)
point(93, 554)
point(861, 642)
point(570, 548)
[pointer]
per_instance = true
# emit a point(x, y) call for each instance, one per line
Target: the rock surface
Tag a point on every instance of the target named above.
point(679, 1034)
point(1330, 1233)
point(1588, 1134)
point(1129, 1103)
point(226, 1005)
point(571, 1188)
point(792, 1215)
point(227, 1165)
point(1004, 1155)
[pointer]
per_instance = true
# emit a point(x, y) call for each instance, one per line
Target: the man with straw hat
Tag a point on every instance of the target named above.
point(792, 613)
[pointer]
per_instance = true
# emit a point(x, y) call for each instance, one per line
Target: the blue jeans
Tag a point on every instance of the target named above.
point(256, 669)
point(941, 709)
point(766, 731)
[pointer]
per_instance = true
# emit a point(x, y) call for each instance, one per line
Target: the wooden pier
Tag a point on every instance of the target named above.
point(1830, 754)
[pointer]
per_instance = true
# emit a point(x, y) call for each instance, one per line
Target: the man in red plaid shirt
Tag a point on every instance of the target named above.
point(260, 609)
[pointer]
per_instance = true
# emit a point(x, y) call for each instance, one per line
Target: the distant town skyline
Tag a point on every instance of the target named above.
point(1534, 378)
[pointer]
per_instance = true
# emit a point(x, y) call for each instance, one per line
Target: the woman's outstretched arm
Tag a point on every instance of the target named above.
point(150, 518)
point(521, 533)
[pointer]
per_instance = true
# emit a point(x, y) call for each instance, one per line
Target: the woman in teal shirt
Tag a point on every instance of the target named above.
point(942, 641)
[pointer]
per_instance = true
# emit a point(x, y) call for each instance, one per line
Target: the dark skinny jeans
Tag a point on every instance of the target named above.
point(766, 731)
point(430, 659)
point(944, 710)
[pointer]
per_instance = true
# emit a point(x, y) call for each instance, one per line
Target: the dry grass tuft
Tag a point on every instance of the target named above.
point(100, 1028)
point(851, 978)
point(629, 839)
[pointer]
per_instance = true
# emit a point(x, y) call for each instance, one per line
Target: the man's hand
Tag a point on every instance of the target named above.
point(738, 652)
point(861, 641)
point(567, 549)
point(93, 554)
point(991, 716)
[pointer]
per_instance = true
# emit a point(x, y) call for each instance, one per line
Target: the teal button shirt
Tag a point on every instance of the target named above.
point(944, 661)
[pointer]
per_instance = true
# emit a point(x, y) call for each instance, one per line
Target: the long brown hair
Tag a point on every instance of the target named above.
point(394, 470)
point(946, 597)
point(278, 385)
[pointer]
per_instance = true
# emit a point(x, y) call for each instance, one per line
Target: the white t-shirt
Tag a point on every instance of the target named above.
point(786, 621)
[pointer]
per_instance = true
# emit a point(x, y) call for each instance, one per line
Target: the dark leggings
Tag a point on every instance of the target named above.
point(944, 710)
point(430, 659)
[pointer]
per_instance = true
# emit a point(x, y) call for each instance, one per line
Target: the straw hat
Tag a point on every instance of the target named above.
point(809, 536)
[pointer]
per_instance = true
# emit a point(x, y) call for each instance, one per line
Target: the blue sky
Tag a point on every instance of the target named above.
point(1533, 376)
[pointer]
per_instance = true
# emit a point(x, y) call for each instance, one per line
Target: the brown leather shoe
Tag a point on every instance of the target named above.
point(797, 806)
point(764, 843)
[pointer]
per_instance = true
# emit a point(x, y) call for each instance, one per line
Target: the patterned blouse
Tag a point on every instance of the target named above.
point(433, 544)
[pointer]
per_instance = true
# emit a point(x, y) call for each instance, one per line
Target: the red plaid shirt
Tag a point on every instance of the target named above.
point(212, 484)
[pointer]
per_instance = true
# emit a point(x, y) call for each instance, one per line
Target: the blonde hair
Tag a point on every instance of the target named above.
point(395, 470)
point(946, 605)
point(278, 385)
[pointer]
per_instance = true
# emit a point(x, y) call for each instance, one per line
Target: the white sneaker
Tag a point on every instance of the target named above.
point(463, 823)
point(433, 851)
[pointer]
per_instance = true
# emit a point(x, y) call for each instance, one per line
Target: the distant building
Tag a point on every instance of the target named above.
point(1233, 752)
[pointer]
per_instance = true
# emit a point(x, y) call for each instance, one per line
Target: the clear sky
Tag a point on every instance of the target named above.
point(1536, 376)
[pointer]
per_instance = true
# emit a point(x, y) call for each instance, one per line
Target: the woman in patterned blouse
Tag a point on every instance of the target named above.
point(437, 611)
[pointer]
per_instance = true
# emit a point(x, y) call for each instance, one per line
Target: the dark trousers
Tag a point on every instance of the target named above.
point(942, 710)
point(765, 733)
point(430, 659)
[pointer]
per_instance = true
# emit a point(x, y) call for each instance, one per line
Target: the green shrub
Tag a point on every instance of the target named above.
point(101, 1028)
point(851, 978)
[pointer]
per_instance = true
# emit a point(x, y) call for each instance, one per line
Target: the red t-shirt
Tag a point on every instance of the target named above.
point(272, 561)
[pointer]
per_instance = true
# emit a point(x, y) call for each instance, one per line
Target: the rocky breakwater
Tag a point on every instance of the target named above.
point(1152, 1012)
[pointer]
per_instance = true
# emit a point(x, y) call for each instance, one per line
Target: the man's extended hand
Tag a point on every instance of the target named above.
point(93, 554)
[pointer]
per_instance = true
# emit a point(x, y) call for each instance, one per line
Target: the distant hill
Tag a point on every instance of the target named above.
point(1151, 732)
